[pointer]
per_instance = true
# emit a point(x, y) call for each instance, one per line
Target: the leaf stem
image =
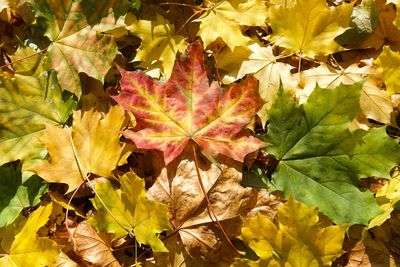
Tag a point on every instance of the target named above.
point(21, 59)
point(209, 207)
point(84, 175)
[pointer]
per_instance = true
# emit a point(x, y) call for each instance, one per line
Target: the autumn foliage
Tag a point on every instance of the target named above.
point(199, 133)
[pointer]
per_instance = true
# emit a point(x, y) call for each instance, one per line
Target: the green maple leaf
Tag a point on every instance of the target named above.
point(15, 195)
point(127, 211)
point(320, 160)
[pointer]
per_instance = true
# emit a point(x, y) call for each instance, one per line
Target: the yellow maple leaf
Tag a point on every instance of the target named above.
point(297, 240)
point(92, 146)
point(159, 44)
point(388, 65)
point(308, 27)
point(387, 197)
point(27, 249)
point(224, 18)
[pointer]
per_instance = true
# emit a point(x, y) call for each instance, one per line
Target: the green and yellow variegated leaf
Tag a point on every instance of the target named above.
point(128, 211)
point(28, 101)
point(298, 239)
point(75, 45)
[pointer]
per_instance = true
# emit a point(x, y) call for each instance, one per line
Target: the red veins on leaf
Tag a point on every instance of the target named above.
point(188, 107)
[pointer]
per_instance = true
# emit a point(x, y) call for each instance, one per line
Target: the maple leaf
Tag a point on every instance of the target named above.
point(16, 195)
point(199, 237)
point(387, 197)
point(297, 240)
point(159, 45)
point(27, 249)
point(224, 18)
point(127, 211)
point(387, 63)
point(320, 160)
point(92, 247)
point(24, 119)
point(308, 27)
point(186, 107)
point(75, 46)
point(92, 146)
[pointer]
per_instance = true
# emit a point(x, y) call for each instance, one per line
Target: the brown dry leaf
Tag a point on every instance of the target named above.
point(374, 102)
point(93, 247)
point(386, 33)
point(198, 234)
point(379, 246)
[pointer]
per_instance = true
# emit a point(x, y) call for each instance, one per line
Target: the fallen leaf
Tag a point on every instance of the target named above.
point(75, 46)
point(94, 248)
point(308, 27)
point(159, 44)
point(374, 102)
point(320, 159)
point(24, 119)
point(92, 146)
point(222, 19)
point(127, 211)
point(16, 195)
point(27, 249)
point(386, 33)
point(198, 234)
point(387, 197)
point(187, 108)
point(298, 239)
point(260, 61)
point(387, 63)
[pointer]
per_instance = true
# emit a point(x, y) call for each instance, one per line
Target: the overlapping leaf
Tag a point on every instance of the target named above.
point(308, 27)
point(180, 189)
point(223, 19)
point(93, 247)
point(92, 146)
point(387, 62)
point(76, 46)
point(28, 101)
point(297, 240)
point(187, 107)
point(27, 249)
point(127, 211)
point(159, 45)
point(320, 160)
point(15, 195)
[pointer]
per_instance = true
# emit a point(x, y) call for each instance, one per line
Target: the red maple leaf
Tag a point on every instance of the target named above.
point(187, 107)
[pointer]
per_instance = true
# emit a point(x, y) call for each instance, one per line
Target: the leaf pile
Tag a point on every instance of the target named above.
point(199, 133)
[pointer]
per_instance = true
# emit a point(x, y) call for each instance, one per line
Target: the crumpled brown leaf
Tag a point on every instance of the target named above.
point(94, 248)
point(379, 246)
point(198, 236)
